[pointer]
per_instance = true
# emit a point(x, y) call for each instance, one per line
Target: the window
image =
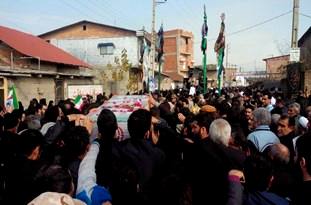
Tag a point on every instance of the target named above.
point(106, 48)
point(84, 27)
point(186, 41)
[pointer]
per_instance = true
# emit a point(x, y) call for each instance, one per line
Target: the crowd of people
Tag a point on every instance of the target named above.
point(245, 146)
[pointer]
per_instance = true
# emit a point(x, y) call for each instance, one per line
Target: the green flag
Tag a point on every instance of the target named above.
point(220, 51)
point(11, 100)
point(203, 48)
point(204, 33)
point(78, 102)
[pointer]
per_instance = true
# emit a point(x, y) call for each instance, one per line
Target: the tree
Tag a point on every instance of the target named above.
point(283, 47)
point(120, 72)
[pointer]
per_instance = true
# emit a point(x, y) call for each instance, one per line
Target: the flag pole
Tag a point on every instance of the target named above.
point(204, 73)
point(220, 69)
point(159, 48)
point(203, 48)
point(219, 48)
point(159, 76)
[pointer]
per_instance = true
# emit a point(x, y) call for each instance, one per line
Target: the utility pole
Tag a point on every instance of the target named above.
point(295, 23)
point(153, 38)
point(227, 52)
point(295, 75)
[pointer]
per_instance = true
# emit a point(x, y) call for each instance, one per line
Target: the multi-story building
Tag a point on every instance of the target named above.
point(36, 68)
point(117, 55)
point(178, 54)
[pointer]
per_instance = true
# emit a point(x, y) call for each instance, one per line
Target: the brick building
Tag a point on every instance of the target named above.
point(178, 54)
point(36, 68)
point(276, 67)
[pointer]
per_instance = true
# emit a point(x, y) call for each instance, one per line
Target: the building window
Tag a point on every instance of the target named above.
point(186, 41)
point(48, 41)
point(84, 27)
point(106, 48)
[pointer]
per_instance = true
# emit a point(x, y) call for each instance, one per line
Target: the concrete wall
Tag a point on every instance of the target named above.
point(211, 78)
point(82, 39)
point(75, 81)
point(166, 83)
point(88, 51)
point(29, 88)
point(116, 86)
point(276, 66)
point(230, 74)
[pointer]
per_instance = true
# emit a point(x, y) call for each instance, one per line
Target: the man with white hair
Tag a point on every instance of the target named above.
point(262, 137)
point(214, 160)
point(294, 111)
point(220, 132)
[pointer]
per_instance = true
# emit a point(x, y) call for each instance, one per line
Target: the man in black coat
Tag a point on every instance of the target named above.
point(215, 159)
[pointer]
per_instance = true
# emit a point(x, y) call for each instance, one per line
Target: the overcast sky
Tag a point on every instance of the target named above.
point(246, 49)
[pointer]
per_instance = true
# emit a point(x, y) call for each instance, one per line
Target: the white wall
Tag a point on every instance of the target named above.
point(88, 51)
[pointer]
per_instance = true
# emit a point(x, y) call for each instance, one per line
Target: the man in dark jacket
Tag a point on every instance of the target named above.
point(258, 177)
point(215, 159)
point(23, 167)
point(286, 133)
point(303, 191)
point(136, 164)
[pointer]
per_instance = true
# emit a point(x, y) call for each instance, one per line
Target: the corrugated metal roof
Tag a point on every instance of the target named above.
point(36, 47)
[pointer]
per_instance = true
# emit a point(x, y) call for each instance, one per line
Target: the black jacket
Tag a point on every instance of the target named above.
point(20, 177)
point(237, 195)
point(136, 167)
point(210, 181)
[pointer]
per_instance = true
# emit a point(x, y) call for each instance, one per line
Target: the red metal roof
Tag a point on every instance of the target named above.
point(34, 46)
